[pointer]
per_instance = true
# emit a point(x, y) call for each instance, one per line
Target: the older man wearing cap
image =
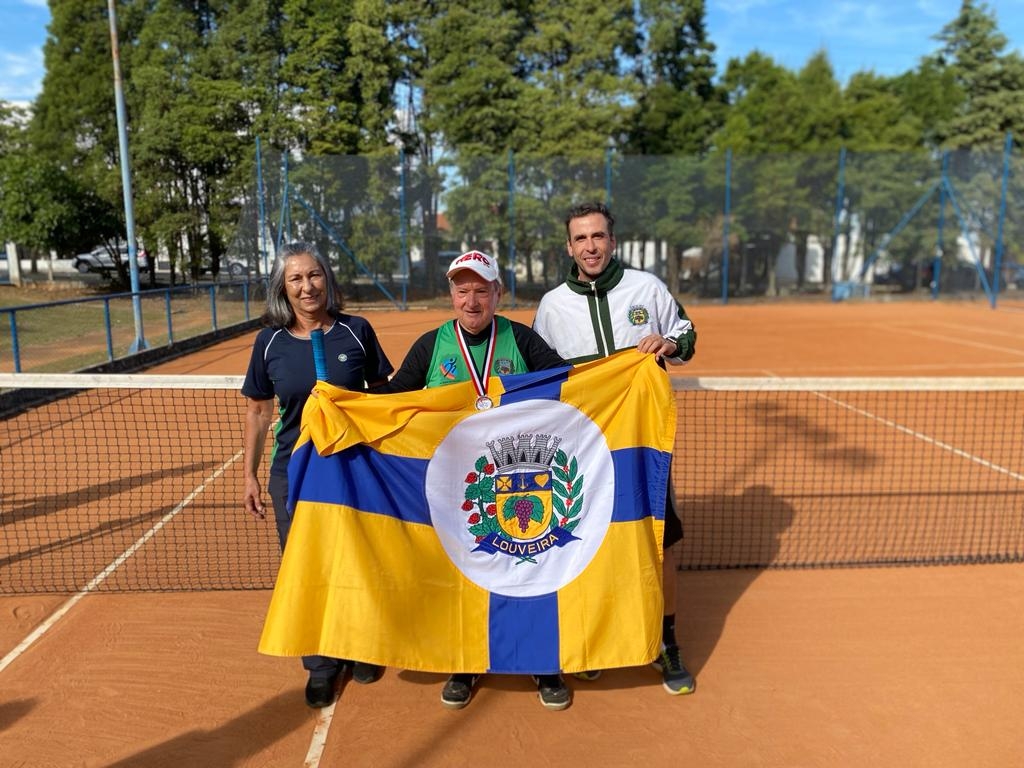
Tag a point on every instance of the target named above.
point(474, 346)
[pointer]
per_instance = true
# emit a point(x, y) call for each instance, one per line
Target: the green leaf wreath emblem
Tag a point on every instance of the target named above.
point(566, 492)
point(482, 512)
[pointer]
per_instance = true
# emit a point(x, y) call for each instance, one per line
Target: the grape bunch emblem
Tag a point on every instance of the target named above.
point(523, 507)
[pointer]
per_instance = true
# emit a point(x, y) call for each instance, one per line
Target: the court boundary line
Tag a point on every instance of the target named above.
point(849, 383)
point(958, 452)
point(318, 742)
point(116, 563)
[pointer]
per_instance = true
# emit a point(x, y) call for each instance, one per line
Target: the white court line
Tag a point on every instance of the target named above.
point(319, 740)
point(957, 328)
point(100, 577)
point(923, 437)
point(948, 339)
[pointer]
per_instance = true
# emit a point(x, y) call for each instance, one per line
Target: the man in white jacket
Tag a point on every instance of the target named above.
point(603, 308)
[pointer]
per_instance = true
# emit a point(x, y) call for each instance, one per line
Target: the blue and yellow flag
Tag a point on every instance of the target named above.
point(526, 538)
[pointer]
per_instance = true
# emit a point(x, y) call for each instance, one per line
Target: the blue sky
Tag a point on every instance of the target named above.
point(886, 37)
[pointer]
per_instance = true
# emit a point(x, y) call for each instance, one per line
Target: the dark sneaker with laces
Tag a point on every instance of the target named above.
point(552, 691)
point(320, 691)
point(458, 690)
point(676, 678)
point(364, 673)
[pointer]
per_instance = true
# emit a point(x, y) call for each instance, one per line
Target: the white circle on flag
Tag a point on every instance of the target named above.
point(510, 572)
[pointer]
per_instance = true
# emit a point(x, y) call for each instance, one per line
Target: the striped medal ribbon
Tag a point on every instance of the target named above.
point(483, 402)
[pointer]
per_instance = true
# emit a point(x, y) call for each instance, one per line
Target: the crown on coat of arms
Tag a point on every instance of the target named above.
point(523, 450)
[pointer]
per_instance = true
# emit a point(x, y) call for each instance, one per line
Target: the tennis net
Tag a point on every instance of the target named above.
point(133, 482)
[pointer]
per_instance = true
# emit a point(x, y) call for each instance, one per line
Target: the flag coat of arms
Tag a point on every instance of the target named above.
point(526, 538)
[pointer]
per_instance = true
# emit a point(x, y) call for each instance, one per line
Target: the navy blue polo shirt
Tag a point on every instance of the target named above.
point(282, 366)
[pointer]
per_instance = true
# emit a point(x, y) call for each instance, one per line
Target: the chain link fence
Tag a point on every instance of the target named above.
point(725, 227)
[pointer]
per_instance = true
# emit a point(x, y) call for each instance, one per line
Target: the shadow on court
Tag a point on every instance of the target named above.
point(12, 711)
point(229, 744)
point(743, 529)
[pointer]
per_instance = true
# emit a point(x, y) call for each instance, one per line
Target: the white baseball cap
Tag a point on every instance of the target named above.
point(478, 262)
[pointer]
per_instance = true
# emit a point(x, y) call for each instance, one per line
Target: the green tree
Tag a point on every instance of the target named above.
point(877, 115)
point(992, 83)
point(336, 76)
point(374, 69)
point(581, 95)
point(930, 95)
point(781, 192)
point(679, 106)
point(43, 207)
point(764, 102)
point(476, 79)
point(189, 139)
point(74, 123)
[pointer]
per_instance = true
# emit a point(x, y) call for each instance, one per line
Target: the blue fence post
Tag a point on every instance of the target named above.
point(213, 305)
point(608, 177)
point(725, 226)
point(406, 262)
point(837, 220)
point(245, 298)
point(110, 333)
point(261, 239)
point(512, 226)
point(1007, 147)
point(937, 260)
point(283, 220)
point(170, 327)
point(15, 349)
point(966, 234)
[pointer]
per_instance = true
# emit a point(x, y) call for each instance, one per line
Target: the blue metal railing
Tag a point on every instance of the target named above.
point(168, 294)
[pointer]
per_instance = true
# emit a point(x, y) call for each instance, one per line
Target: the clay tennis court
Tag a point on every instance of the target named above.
point(887, 666)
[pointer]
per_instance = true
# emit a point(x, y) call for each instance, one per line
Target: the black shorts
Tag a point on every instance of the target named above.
point(673, 532)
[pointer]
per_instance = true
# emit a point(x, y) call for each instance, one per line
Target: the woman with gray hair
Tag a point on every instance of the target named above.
point(303, 296)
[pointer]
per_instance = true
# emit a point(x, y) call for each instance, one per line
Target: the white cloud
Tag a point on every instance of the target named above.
point(740, 7)
point(21, 75)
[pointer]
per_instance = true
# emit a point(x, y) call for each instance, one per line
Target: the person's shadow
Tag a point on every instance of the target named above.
point(12, 711)
point(226, 744)
point(732, 539)
point(777, 446)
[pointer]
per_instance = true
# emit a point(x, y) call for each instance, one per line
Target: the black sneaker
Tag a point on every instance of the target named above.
point(458, 690)
point(320, 691)
point(676, 678)
point(552, 691)
point(364, 673)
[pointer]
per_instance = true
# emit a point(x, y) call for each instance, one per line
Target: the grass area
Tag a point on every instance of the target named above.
point(66, 337)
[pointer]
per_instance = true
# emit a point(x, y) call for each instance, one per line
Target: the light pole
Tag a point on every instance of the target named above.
point(126, 183)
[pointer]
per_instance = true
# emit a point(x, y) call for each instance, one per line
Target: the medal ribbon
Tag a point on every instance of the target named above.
point(479, 381)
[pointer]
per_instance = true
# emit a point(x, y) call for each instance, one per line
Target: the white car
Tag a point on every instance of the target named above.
point(235, 268)
point(99, 260)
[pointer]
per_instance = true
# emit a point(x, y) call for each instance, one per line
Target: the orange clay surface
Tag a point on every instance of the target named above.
point(914, 666)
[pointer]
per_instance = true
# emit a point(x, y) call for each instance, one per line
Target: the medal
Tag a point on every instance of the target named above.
point(483, 402)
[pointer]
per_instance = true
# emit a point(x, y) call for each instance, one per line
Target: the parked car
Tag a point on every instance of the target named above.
point(899, 276)
point(99, 260)
point(236, 268)
point(1013, 275)
point(229, 267)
